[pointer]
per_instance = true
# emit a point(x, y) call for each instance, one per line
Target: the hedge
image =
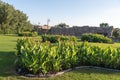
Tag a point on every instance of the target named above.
point(28, 34)
point(57, 38)
point(95, 38)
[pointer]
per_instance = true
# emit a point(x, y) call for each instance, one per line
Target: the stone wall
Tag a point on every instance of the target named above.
point(78, 31)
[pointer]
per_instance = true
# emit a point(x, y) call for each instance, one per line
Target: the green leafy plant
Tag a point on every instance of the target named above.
point(95, 38)
point(40, 57)
point(28, 34)
point(44, 57)
point(57, 38)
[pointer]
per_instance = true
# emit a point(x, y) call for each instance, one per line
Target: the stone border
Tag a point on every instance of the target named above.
point(49, 75)
point(95, 67)
point(64, 71)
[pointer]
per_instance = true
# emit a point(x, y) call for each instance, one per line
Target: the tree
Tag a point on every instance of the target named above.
point(12, 20)
point(62, 25)
point(116, 32)
point(103, 25)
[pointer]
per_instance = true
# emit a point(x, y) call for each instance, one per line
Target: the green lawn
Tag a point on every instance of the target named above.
point(89, 74)
point(7, 66)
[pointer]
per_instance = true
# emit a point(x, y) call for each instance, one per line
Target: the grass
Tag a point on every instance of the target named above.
point(7, 56)
point(88, 74)
point(7, 65)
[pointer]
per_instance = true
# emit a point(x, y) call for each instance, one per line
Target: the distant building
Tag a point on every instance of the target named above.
point(43, 29)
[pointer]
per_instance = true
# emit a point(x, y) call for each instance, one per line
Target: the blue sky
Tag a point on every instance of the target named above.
point(71, 12)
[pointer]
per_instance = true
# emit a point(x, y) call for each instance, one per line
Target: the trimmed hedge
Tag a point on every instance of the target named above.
point(95, 38)
point(57, 38)
point(28, 34)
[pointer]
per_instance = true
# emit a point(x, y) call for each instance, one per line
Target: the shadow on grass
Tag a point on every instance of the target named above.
point(7, 64)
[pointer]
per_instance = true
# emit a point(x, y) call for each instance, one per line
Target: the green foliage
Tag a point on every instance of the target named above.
point(51, 38)
point(45, 57)
point(34, 34)
point(116, 32)
point(95, 38)
point(7, 66)
point(28, 34)
point(104, 25)
point(62, 25)
point(97, 56)
point(12, 20)
point(57, 38)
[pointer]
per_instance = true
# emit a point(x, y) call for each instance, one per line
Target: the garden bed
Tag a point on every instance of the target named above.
point(44, 59)
point(64, 71)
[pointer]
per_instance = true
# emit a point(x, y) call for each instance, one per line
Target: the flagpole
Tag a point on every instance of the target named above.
point(48, 22)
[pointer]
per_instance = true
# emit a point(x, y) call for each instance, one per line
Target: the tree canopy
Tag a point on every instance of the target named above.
point(116, 32)
point(62, 25)
point(103, 25)
point(12, 20)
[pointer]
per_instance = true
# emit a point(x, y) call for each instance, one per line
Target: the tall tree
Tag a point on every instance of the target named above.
point(12, 20)
point(116, 32)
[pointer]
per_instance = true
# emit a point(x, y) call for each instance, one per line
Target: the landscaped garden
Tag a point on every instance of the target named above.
point(8, 59)
point(30, 51)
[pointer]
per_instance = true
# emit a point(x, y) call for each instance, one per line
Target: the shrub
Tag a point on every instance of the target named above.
point(51, 38)
point(28, 34)
point(57, 38)
point(97, 56)
point(95, 38)
point(37, 57)
point(34, 34)
point(24, 34)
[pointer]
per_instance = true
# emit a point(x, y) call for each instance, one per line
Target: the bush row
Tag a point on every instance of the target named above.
point(57, 38)
point(36, 57)
point(95, 38)
point(28, 34)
